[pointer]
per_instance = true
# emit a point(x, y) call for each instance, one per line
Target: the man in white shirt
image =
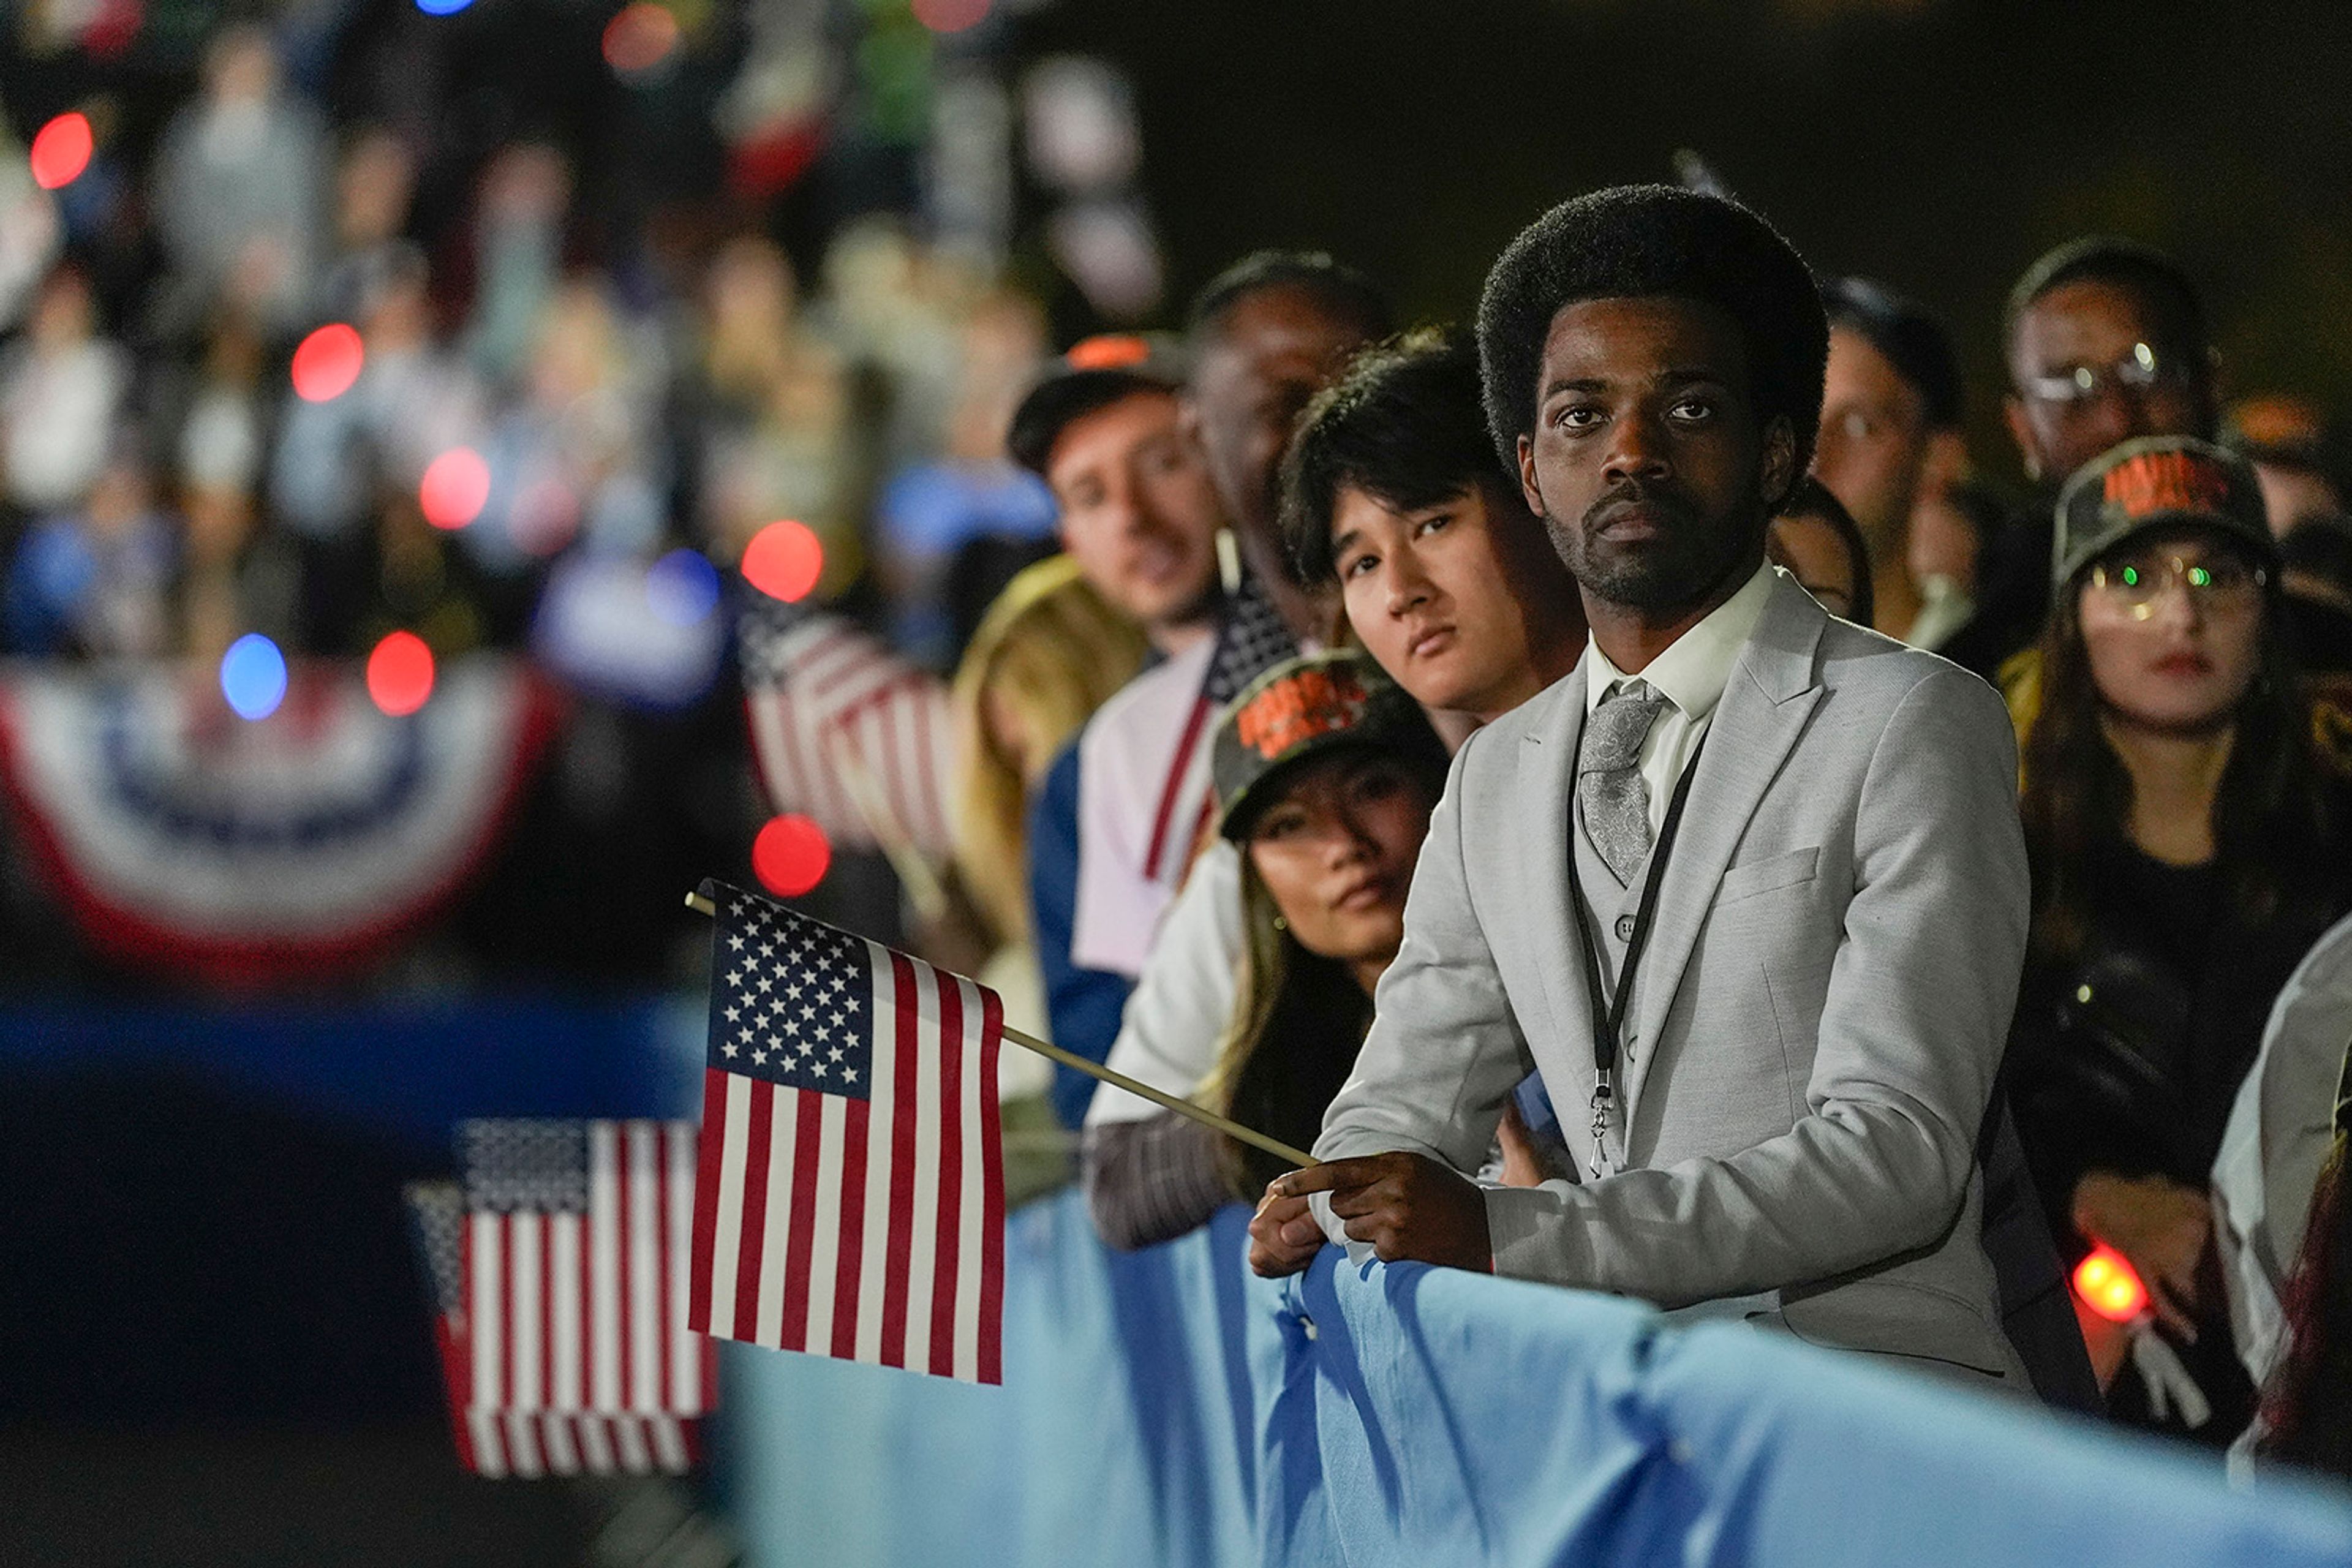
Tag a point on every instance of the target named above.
point(1752, 887)
point(1264, 335)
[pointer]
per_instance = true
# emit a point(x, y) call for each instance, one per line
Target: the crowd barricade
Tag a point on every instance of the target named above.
point(1168, 1407)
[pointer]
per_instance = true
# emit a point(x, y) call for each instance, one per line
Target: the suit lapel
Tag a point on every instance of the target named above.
point(1547, 779)
point(1771, 692)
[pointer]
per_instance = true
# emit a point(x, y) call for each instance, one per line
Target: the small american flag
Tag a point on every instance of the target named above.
point(559, 1270)
point(823, 697)
point(851, 1196)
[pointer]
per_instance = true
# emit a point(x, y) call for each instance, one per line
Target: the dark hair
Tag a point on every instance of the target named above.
point(1337, 287)
point(1909, 338)
point(1402, 424)
point(2307, 1405)
point(1298, 1020)
point(1813, 499)
point(2273, 826)
point(1297, 1025)
point(2142, 270)
point(2321, 546)
point(1641, 240)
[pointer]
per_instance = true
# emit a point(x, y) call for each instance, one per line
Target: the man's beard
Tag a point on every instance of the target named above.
point(1684, 559)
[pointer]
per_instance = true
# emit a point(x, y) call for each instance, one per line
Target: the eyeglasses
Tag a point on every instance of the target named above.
point(2138, 371)
point(2217, 582)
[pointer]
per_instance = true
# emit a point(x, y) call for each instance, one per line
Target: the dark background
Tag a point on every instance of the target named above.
point(1938, 146)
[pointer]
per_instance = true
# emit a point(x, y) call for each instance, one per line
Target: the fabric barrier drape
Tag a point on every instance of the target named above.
point(1168, 1408)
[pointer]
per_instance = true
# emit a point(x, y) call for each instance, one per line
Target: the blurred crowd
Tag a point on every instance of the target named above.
point(1210, 610)
point(169, 486)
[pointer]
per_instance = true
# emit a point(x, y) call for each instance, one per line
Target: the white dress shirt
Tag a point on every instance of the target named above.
point(1690, 675)
point(1143, 794)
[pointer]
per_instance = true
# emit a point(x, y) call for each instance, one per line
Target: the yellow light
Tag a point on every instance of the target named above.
point(2109, 1286)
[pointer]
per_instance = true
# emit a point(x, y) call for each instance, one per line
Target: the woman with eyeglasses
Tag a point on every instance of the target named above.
point(2184, 849)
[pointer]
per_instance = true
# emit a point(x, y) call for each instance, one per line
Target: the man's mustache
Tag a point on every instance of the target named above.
point(1662, 498)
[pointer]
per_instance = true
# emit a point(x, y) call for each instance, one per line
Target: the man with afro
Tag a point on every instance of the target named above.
point(1748, 888)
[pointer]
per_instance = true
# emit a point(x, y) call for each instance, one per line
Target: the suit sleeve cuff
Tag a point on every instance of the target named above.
point(1537, 1234)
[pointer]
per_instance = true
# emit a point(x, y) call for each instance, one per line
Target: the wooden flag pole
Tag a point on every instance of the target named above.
point(1182, 1107)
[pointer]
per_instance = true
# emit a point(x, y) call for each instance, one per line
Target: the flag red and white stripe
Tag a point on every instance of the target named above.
point(850, 1197)
point(824, 697)
point(567, 1349)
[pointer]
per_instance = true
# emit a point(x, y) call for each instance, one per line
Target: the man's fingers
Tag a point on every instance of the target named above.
point(1280, 1208)
point(2170, 1312)
point(1331, 1176)
point(1373, 1199)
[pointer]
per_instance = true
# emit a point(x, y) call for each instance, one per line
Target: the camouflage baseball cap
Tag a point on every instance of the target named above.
point(2155, 483)
point(1304, 709)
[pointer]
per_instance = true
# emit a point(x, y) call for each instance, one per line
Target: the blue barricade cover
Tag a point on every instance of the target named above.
point(1168, 1407)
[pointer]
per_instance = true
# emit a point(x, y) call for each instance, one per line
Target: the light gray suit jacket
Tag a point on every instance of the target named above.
point(1817, 1021)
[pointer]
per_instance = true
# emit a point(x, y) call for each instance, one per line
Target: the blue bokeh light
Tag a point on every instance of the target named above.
point(682, 587)
point(442, 8)
point(252, 676)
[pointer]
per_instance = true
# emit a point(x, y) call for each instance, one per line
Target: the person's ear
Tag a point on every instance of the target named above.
point(2020, 431)
point(1780, 459)
point(1527, 491)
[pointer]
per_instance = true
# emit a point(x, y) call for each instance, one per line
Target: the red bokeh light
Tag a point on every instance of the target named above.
point(326, 362)
point(2109, 1286)
point(457, 486)
point(783, 561)
point(400, 673)
point(951, 15)
point(639, 38)
point(791, 855)
point(60, 152)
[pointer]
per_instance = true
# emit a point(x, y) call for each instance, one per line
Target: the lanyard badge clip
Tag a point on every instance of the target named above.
point(1604, 1093)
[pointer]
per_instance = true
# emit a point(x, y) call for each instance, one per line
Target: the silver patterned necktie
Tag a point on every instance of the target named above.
point(1609, 782)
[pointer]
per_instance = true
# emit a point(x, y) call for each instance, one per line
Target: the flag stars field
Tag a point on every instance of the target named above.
point(851, 1200)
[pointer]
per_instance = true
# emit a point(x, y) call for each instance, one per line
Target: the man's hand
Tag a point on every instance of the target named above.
point(1284, 1237)
point(1407, 1206)
point(2161, 1226)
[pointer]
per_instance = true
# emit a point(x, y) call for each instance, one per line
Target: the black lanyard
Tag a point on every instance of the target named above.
point(1609, 1012)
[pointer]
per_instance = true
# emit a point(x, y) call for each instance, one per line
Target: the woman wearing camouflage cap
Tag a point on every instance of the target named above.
point(2184, 845)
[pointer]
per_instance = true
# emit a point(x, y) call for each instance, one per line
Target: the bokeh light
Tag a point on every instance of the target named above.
point(400, 673)
point(791, 855)
point(951, 15)
point(442, 8)
point(783, 561)
point(252, 676)
point(456, 487)
point(682, 587)
point(60, 152)
point(639, 38)
point(2109, 1286)
point(326, 362)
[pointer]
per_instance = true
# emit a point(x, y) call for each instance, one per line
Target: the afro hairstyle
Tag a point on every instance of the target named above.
point(1638, 241)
